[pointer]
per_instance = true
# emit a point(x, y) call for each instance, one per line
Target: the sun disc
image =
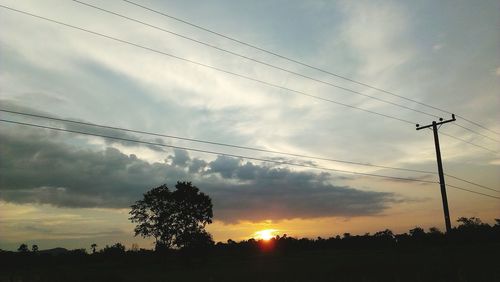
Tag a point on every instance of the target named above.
point(266, 234)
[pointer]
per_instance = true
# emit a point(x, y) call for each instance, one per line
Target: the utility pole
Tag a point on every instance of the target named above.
point(435, 128)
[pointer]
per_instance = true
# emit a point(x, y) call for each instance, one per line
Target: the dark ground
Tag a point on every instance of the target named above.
point(469, 262)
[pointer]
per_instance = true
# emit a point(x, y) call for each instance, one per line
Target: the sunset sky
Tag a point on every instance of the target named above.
point(70, 190)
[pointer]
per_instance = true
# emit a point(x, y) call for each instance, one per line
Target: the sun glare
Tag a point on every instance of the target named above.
point(266, 234)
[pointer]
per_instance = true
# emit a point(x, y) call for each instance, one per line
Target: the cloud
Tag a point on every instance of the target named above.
point(117, 136)
point(180, 157)
point(495, 162)
point(37, 169)
point(197, 165)
point(263, 192)
point(437, 47)
point(378, 33)
point(225, 166)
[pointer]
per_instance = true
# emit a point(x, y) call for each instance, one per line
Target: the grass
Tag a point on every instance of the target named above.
point(475, 262)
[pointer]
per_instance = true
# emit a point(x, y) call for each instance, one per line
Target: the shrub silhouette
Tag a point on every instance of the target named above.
point(115, 249)
point(23, 248)
point(93, 247)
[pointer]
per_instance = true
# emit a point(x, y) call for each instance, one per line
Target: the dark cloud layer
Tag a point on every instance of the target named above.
point(266, 192)
point(37, 167)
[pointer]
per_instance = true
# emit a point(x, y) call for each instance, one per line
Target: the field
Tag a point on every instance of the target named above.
point(471, 262)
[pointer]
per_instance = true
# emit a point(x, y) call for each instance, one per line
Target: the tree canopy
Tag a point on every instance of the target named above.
point(175, 219)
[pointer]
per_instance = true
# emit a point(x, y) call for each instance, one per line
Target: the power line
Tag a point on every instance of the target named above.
point(225, 154)
point(302, 63)
point(218, 153)
point(464, 180)
point(212, 142)
point(267, 64)
point(238, 146)
point(229, 72)
point(209, 66)
point(471, 143)
point(255, 60)
point(477, 124)
point(476, 132)
point(271, 65)
point(479, 193)
point(470, 182)
point(239, 156)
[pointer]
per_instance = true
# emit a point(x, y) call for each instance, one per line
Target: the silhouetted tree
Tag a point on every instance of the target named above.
point(435, 231)
point(386, 234)
point(417, 232)
point(93, 247)
point(174, 218)
point(469, 223)
point(23, 248)
point(34, 248)
point(435, 235)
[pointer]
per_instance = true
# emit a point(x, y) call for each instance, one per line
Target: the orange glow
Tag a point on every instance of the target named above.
point(266, 234)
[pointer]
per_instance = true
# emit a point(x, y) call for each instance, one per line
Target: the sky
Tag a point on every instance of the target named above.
point(72, 190)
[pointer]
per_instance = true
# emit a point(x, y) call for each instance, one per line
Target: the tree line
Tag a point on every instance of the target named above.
point(176, 220)
point(470, 230)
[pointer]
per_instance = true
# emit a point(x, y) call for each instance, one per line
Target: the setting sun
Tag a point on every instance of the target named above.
point(265, 234)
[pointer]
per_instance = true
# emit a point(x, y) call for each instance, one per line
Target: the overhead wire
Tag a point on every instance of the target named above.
point(211, 142)
point(476, 132)
point(473, 183)
point(273, 85)
point(222, 70)
point(469, 142)
point(228, 72)
point(209, 66)
point(217, 153)
point(471, 191)
point(236, 146)
point(478, 125)
point(240, 156)
point(301, 63)
point(255, 60)
point(271, 65)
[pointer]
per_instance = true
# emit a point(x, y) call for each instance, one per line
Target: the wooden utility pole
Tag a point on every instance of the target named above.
point(435, 128)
